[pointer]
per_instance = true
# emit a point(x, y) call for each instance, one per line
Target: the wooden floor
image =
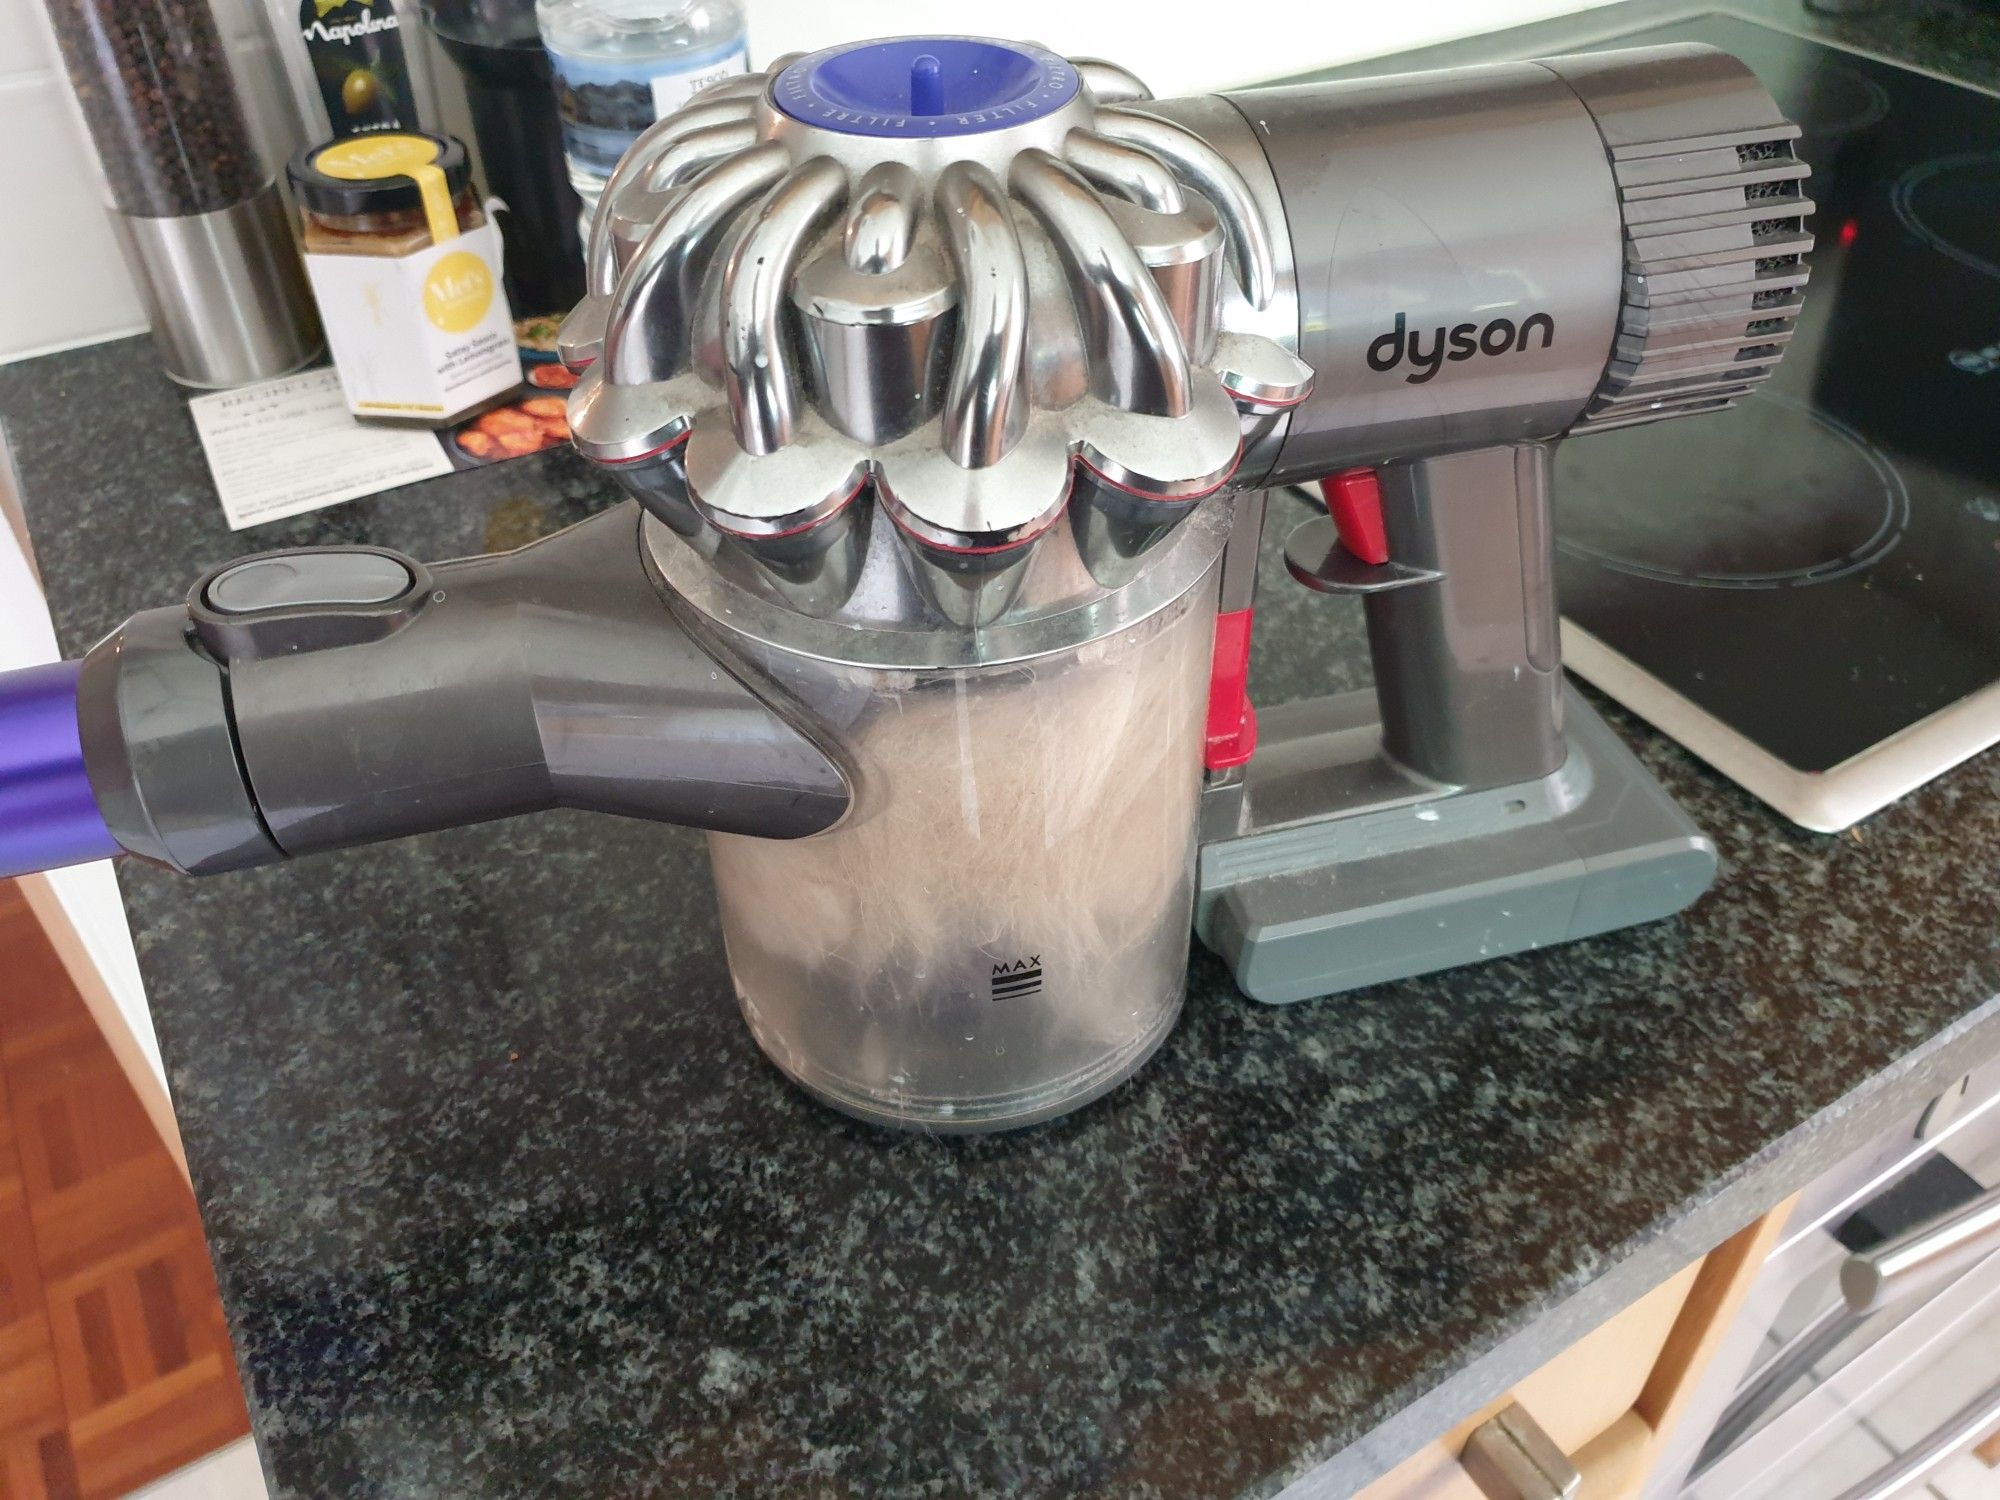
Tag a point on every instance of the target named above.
point(115, 1367)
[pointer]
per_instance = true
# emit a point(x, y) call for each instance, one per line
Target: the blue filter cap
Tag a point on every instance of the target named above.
point(922, 87)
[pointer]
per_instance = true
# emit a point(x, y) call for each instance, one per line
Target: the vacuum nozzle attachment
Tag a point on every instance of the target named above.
point(370, 696)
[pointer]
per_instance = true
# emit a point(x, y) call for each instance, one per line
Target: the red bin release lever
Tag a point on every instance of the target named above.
point(1232, 721)
point(1354, 500)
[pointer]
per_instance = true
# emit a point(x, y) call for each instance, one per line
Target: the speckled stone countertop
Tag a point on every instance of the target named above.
point(504, 1201)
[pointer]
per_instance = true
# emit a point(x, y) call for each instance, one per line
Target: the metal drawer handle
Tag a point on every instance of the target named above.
point(1922, 1257)
point(1870, 1280)
point(1510, 1458)
point(1960, 1431)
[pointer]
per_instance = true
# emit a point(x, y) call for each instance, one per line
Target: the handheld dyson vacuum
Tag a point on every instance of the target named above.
point(947, 377)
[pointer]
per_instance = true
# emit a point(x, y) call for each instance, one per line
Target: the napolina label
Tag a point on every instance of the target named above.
point(1427, 353)
point(356, 50)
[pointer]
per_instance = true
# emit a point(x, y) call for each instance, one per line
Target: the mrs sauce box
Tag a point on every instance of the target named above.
point(405, 267)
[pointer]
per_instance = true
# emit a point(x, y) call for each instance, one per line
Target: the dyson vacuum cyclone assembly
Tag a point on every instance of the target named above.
point(948, 377)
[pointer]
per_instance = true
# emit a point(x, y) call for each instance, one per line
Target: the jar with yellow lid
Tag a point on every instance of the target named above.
point(405, 266)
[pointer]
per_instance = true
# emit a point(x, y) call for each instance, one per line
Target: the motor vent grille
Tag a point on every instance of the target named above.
point(1715, 272)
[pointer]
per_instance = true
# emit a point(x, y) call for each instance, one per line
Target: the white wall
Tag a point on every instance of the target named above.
point(62, 282)
point(88, 893)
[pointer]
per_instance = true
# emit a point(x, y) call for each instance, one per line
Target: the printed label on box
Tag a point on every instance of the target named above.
point(427, 335)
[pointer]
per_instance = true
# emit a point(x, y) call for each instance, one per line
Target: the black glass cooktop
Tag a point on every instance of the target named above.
point(1820, 567)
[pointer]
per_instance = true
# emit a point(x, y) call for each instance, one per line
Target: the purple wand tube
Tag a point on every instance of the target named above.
point(48, 814)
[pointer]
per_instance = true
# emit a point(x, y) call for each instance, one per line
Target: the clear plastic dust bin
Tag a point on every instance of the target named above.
point(999, 929)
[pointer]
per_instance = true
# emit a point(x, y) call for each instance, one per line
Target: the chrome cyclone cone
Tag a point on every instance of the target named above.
point(973, 282)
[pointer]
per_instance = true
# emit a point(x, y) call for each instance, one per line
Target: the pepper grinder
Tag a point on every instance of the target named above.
point(198, 213)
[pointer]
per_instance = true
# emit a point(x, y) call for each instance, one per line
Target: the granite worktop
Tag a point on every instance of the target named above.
point(504, 1201)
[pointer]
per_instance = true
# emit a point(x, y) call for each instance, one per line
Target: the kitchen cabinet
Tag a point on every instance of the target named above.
point(1609, 1401)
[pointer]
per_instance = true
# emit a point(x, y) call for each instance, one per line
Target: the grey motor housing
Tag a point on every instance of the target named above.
point(1461, 315)
point(1515, 252)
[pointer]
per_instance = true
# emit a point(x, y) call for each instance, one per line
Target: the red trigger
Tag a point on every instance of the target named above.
point(1354, 500)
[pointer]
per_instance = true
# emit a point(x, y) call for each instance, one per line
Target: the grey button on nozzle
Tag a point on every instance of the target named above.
point(329, 577)
point(306, 599)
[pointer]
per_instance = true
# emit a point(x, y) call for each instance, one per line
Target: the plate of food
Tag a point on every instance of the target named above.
point(511, 431)
point(536, 339)
point(554, 376)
